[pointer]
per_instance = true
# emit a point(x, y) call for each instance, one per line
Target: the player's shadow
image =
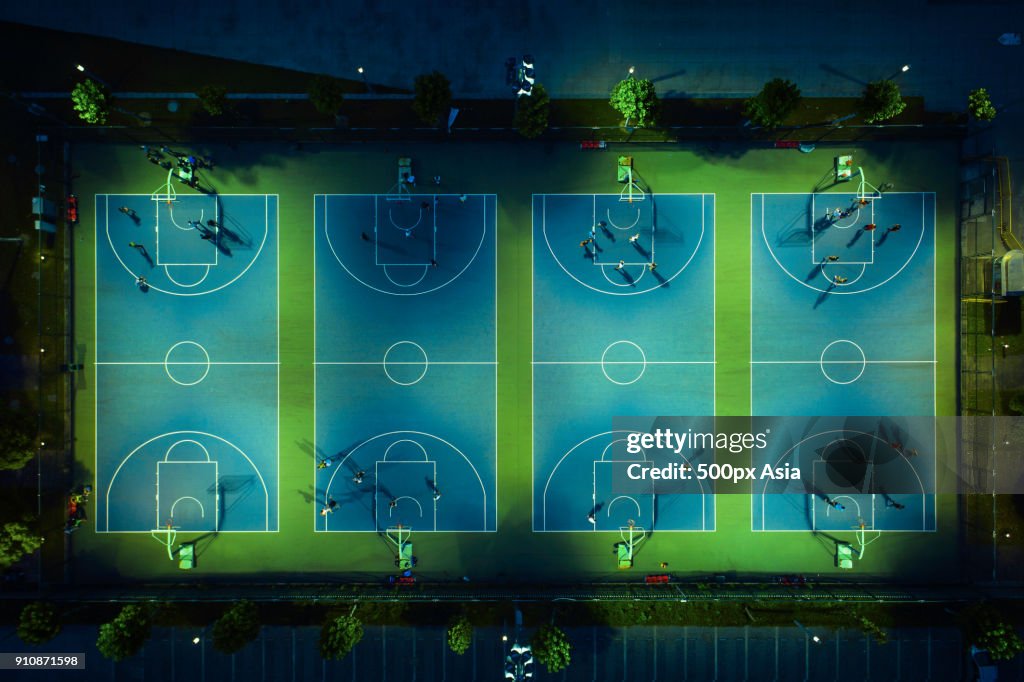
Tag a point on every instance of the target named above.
point(661, 280)
point(823, 296)
point(643, 252)
point(885, 235)
point(856, 236)
point(148, 258)
point(813, 274)
point(822, 224)
point(628, 277)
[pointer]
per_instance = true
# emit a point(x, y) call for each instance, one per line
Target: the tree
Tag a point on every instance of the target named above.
point(213, 99)
point(635, 99)
point(124, 636)
point(770, 107)
point(16, 447)
point(433, 96)
point(980, 105)
point(1000, 639)
point(237, 627)
point(460, 635)
point(339, 636)
point(551, 648)
point(882, 101)
point(532, 112)
point(17, 540)
point(38, 623)
point(91, 101)
point(326, 93)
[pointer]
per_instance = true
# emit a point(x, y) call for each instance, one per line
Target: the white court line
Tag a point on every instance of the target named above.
point(270, 364)
point(432, 364)
point(842, 362)
point(624, 362)
point(330, 244)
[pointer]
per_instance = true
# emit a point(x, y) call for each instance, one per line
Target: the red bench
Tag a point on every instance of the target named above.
point(787, 144)
point(593, 144)
point(655, 579)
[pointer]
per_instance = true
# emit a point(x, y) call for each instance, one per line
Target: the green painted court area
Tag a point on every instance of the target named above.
point(329, 372)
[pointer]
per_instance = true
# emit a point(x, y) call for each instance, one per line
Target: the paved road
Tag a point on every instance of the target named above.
point(581, 47)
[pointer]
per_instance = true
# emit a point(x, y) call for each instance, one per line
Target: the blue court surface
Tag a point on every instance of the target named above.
point(615, 337)
point(187, 363)
point(406, 362)
point(843, 323)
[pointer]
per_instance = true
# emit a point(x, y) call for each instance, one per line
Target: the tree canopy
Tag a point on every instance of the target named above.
point(92, 101)
point(38, 623)
point(124, 636)
point(16, 446)
point(326, 93)
point(770, 107)
point(551, 647)
point(213, 99)
point(881, 101)
point(17, 539)
point(532, 112)
point(339, 635)
point(636, 100)
point(237, 627)
point(433, 96)
point(460, 635)
point(979, 104)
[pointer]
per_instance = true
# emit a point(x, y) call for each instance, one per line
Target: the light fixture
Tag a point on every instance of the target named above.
point(906, 67)
point(631, 70)
point(195, 640)
point(504, 638)
point(80, 67)
point(359, 69)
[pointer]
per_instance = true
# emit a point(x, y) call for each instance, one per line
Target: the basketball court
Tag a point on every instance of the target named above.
point(406, 362)
point(843, 323)
point(615, 336)
point(186, 362)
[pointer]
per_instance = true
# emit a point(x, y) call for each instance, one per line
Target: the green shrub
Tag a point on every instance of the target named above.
point(636, 100)
point(237, 627)
point(881, 101)
point(124, 636)
point(980, 105)
point(433, 96)
point(38, 623)
point(532, 112)
point(91, 101)
point(327, 94)
point(770, 107)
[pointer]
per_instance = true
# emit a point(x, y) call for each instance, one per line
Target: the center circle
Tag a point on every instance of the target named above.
point(189, 361)
point(405, 363)
point(623, 363)
point(845, 362)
